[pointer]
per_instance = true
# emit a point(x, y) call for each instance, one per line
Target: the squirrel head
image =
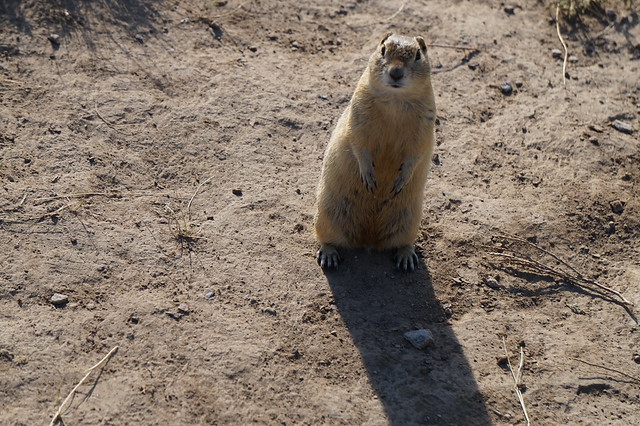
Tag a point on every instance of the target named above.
point(400, 64)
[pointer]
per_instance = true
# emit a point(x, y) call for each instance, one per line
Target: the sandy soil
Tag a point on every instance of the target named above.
point(158, 165)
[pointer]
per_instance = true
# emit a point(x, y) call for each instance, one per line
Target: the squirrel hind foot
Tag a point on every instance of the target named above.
point(406, 259)
point(327, 257)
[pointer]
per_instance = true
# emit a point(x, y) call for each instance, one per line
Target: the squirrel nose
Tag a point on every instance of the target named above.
point(396, 73)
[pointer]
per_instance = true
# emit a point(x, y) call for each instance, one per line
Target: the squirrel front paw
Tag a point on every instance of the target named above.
point(404, 175)
point(369, 178)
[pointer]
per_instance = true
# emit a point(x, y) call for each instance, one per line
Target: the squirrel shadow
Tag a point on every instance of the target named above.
point(431, 386)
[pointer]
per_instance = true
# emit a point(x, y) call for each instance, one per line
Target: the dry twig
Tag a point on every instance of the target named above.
point(517, 378)
point(628, 376)
point(573, 277)
point(69, 398)
point(566, 52)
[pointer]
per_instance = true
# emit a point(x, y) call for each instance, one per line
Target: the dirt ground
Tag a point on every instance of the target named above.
point(158, 166)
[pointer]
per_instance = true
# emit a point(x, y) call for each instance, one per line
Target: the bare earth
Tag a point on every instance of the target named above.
point(158, 166)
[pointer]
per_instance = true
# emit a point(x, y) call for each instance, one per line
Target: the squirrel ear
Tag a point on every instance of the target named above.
point(386, 36)
point(421, 43)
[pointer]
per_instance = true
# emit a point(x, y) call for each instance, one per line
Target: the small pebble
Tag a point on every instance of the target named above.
point(54, 39)
point(419, 338)
point(596, 128)
point(296, 45)
point(270, 311)
point(617, 206)
point(176, 316)
point(492, 283)
point(556, 53)
point(623, 127)
point(610, 228)
point(183, 308)
point(509, 10)
point(448, 311)
point(237, 192)
point(139, 38)
point(208, 293)
point(59, 299)
point(506, 88)
point(572, 59)
point(636, 358)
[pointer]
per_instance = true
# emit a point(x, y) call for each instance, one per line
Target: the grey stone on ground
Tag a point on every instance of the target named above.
point(419, 338)
point(59, 299)
point(623, 127)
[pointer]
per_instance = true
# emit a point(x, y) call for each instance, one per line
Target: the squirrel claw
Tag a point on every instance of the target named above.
point(327, 257)
point(406, 259)
point(398, 184)
point(369, 181)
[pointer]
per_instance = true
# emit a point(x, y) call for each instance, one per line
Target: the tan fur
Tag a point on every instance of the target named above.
point(382, 144)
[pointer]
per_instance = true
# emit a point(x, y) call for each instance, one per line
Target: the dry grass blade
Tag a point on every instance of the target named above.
point(613, 370)
point(67, 400)
point(451, 46)
point(18, 218)
point(194, 195)
point(112, 125)
point(517, 378)
point(397, 12)
point(566, 51)
point(77, 195)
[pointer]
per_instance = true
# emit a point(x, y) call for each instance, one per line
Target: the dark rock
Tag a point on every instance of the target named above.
point(617, 206)
point(54, 39)
point(506, 89)
point(491, 282)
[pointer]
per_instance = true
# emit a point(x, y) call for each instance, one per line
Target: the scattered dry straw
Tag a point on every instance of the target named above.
point(57, 417)
point(564, 271)
point(517, 378)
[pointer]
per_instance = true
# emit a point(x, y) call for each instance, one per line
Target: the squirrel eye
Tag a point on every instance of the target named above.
point(383, 50)
point(418, 55)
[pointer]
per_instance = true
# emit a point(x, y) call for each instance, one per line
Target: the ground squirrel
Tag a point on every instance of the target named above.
point(375, 166)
